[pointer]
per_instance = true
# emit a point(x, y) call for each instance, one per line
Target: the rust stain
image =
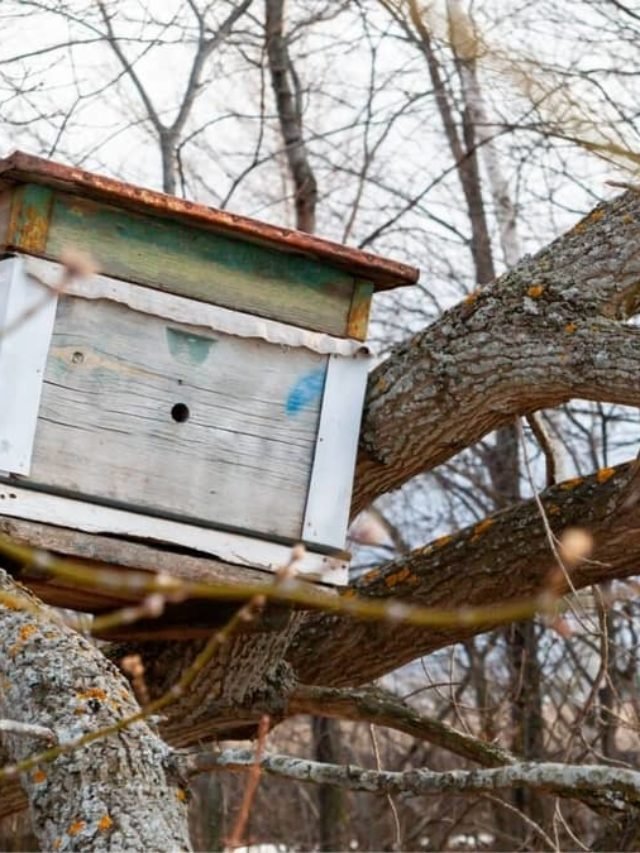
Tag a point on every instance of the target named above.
point(383, 272)
point(358, 319)
point(33, 230)
point(605, 474)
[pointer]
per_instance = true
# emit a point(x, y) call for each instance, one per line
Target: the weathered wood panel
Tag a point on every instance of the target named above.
point(29, 218)
point(193, 262)
point(187, 620)
point(178, 420)
point(6, 198)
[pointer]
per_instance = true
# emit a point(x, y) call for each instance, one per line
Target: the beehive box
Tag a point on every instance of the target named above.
point(203, 391)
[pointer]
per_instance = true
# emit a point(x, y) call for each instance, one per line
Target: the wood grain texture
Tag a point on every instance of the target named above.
point(187, 619)
point(214, 268)
point(121, 555)
point(358, 319)
point(241, 459)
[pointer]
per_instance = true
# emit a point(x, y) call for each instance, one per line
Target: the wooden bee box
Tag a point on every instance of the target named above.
point(202, 392)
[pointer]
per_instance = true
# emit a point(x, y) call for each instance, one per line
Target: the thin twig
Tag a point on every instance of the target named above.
point(253, 779)
point(14, 727)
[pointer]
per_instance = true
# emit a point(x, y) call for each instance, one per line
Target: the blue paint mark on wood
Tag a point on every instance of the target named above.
point(306, 390)
point(184, 346)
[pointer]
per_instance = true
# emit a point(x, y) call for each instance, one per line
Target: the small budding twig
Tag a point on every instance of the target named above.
point(253, 779)
point(288, 590)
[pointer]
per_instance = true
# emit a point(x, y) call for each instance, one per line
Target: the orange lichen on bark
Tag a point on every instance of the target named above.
point(398, 577)
point(482, 527)
point(570, 328)
point(471, 298)
point(93, 693)
point(38, 776)
point(571, 484)
point(105, 823)
point(594, 216)
point(605, 474)
point(371, 575)
point(76, 827)
point(535, 291)
point(24, 633)
point(181, 794)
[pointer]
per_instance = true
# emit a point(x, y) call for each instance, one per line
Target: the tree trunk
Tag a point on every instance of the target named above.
point(114, 793)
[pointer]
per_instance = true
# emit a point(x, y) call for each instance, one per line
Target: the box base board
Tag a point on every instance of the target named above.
point(233, 548)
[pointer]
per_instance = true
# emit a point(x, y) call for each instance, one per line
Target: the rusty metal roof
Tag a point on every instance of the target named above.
point(20, 167)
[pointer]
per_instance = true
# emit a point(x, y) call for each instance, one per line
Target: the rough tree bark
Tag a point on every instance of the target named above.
point(118, 793)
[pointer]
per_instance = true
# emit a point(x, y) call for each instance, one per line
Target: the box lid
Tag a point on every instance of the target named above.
point(383, 273)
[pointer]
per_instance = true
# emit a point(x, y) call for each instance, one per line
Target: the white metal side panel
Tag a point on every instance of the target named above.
point(329, 498)
point(27, 314)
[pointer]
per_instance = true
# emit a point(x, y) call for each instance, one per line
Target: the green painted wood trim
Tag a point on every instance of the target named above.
point(200, 264)
point(358, 319)
point(30, 218)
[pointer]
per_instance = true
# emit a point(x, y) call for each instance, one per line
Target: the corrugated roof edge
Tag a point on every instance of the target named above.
point(20, 167)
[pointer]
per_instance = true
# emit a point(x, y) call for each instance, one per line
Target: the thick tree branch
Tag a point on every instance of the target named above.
point(502, 559)
point(549, 330)
point(381, 708)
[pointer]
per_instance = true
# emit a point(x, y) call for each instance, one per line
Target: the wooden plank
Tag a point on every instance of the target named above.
point(197, 263)
point(179, 309)
point(186, 620)
point(177, 420)
point(123, 555)
point(26, 503)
